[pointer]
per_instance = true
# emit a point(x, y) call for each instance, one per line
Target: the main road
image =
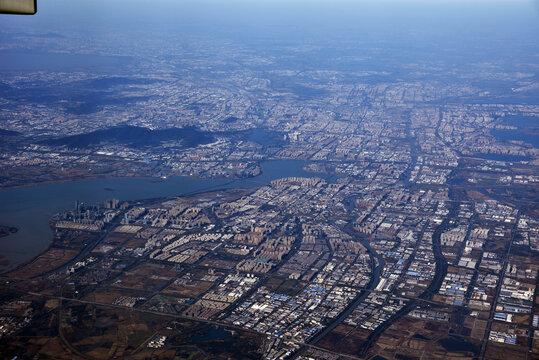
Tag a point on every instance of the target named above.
point(377, 264)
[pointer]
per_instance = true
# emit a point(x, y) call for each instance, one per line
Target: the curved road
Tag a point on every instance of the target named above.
point(439, 275)
point(375, 279)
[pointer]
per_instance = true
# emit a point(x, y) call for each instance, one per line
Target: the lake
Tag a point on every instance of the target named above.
point(502, 157)
point(521, 121)
point(265, 137)
point(29, 209)
point(516, 135)
point(527, 130)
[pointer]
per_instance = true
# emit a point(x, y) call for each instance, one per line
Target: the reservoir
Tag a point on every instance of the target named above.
point(527, 129)
point(527, 136)
point(521, 121)
point(29, 209)
point(503, 157)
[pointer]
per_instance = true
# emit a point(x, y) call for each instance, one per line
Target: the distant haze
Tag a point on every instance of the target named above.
point(394, 18)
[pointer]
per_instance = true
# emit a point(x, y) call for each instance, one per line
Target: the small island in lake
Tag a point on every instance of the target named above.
point(7, 230)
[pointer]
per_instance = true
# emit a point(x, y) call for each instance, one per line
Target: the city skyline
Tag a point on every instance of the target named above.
point(260, 180)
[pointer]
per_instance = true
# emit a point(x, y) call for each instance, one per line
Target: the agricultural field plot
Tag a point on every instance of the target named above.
point(116, 296)
point(189, 289)
point(146, 276)
point(49, 260)
point(101, 332)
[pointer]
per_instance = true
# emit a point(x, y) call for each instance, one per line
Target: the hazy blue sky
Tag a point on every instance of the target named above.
point(437, 15)
point(509, 28)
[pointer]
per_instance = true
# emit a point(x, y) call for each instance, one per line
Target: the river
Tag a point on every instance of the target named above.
point(29, 209)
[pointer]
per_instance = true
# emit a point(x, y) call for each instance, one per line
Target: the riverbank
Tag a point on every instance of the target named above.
point(150, 179)
point(30, 208)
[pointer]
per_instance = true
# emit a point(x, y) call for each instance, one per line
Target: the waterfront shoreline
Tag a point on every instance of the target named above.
point(35, 205)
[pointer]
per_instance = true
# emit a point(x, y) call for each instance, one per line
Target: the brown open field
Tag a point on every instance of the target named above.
point(107, 295)
point(200, 274)
point(499, 245)
point(477, 327)
point(152, 269)
point(345, 339)
point(218, 263)
point(134, 243)
point(112, 242)
point(46, 348)
point(49, 260)
point(415, 338)
point(166, 304)
point(101, 332)
point(535, 346)
point(190, 290)
point(73, 239)
point(147, 276)
point(117, 238)
point(497, 351)
point(283, 285)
